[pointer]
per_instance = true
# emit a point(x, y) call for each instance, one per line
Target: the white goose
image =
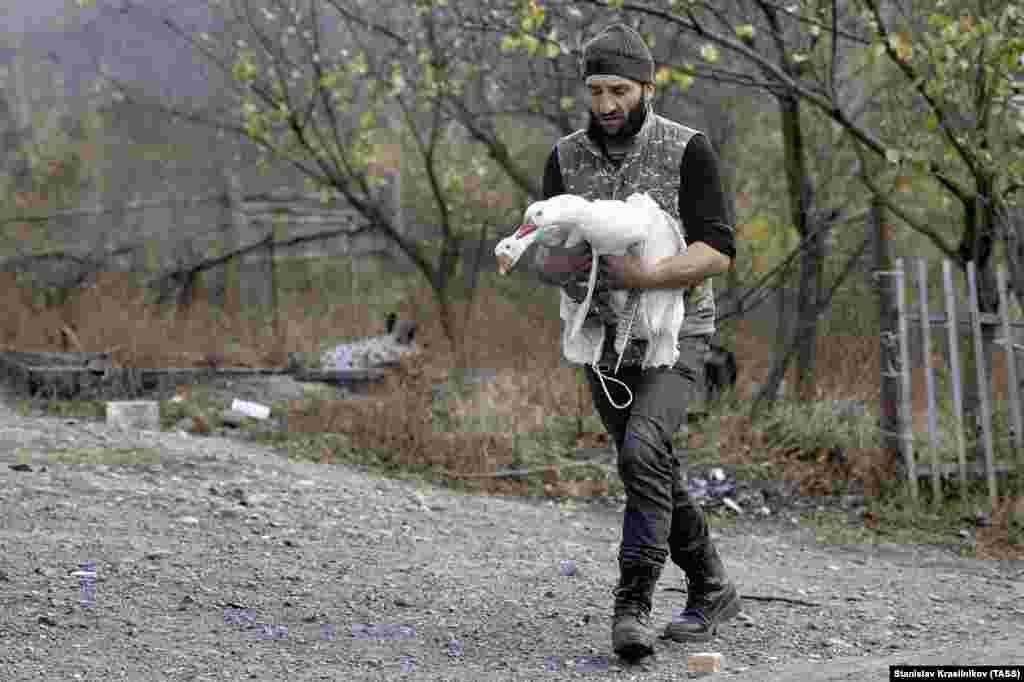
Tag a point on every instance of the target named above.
point(610, 227)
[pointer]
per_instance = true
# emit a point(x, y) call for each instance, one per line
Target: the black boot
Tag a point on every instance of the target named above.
point(711, 598)
point(631, 625)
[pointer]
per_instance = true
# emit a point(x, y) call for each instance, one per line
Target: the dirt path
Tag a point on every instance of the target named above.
point(221, 560)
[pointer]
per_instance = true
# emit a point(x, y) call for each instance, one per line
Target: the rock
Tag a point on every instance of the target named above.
point(157, 554)
point(20, 467)
point(143, 415)
point(716, 474)
point(731, 504)
point(982, 519)
point(188, 521)
point(47, 620)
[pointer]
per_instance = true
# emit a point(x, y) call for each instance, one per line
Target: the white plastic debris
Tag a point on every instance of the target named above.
point(717, 474)
point(731, 504)
point(250, 409)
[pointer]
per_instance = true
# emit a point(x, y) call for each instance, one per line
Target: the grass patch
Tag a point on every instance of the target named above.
point(71, 409)
point(97, 455)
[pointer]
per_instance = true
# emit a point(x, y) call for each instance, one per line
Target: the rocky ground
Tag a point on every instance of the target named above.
point(164, 556)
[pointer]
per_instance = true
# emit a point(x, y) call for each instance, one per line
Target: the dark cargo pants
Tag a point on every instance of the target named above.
point(660, 517)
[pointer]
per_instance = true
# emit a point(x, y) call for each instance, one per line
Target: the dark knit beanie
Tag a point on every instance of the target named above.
point(618, 51)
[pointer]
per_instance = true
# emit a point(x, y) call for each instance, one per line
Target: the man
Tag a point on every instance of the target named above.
point(628, 148)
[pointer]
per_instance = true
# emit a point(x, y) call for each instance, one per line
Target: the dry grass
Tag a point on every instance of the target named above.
point(521, 342)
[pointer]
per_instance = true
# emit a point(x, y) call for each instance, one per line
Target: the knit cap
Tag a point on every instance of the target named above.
point(618, 51)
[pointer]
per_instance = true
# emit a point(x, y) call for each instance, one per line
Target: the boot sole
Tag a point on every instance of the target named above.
point(634, 650)
point(731, 610)
point(633, 644)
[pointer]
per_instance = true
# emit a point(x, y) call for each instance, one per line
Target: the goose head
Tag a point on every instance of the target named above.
point(549, 221)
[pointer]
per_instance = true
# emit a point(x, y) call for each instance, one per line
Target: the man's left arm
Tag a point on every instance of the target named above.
point(707, 219)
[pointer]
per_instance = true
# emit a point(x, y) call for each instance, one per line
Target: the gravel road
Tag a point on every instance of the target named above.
point(160, 556)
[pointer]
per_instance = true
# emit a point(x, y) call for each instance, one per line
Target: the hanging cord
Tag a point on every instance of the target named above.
point(601, 376)
point(629, 330)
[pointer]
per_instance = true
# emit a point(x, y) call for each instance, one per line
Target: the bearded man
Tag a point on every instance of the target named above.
point(629, 148)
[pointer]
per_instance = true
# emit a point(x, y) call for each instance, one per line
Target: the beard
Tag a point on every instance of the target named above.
point(634, 122)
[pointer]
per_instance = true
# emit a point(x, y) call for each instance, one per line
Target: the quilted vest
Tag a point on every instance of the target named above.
point(651, 166)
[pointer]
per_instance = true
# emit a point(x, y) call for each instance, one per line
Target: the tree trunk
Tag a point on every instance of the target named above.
point(806, 325)
point(977, 246)
point(801, 197)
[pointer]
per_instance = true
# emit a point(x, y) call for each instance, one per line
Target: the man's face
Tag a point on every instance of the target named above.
point(612, 99)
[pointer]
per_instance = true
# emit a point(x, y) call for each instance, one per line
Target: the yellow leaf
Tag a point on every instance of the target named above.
point(663, 74)
point(903, 183)
point(902, 45)
point(709, 53)
point(745, 32)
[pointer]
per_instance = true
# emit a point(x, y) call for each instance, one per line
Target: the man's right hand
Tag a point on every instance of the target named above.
point(568, 268)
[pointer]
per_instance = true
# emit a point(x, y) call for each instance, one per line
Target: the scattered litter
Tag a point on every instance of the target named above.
point(580, 664)
point(250, 409)
point(717, 474)
point(388, 631)
point(271, 631)
point(86, 575)
point(239, 616)
point(567, 568)
point(407, 664)
point(731, 504)
point(455, 648)
point(590, 664)
point(700, 488)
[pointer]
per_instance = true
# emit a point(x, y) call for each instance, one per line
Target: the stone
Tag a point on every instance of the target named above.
point(143, 415)
point(704, 663)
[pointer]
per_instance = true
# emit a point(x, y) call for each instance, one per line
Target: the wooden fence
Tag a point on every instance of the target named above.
point(896, 361)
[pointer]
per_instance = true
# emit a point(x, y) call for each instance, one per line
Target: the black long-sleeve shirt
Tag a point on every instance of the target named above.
point(703, 207)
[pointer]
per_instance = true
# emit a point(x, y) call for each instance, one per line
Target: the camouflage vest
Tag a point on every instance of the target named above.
point(651, 166)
